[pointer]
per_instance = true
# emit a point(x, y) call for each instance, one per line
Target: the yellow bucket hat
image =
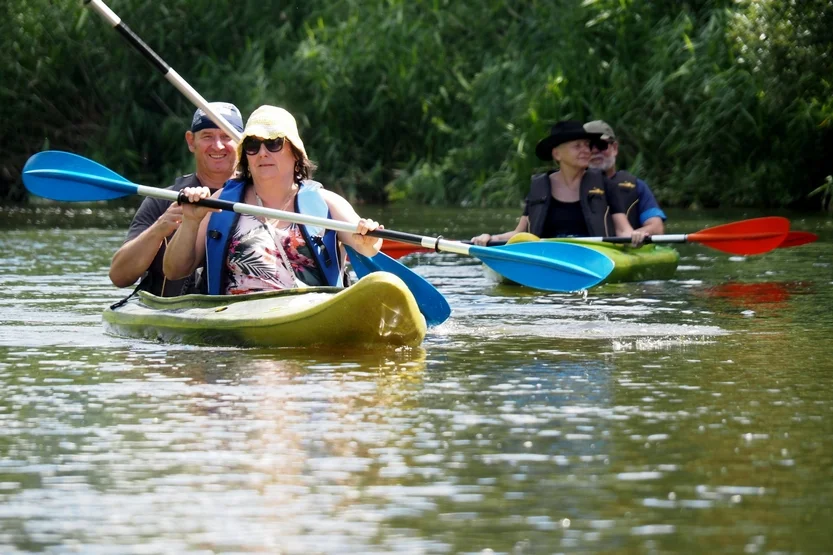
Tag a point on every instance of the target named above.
point(271, 122)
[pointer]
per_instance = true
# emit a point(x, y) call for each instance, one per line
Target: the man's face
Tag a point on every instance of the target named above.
point(215, 152)
point(603, 159)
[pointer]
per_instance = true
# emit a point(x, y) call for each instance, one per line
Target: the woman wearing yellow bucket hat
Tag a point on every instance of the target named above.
point(244, 254)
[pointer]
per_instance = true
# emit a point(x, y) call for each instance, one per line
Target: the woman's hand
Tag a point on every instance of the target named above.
point(195, 212)
point(364, 226)
point(482, 240)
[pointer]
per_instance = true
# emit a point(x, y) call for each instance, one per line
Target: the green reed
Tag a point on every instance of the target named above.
point(441, 102)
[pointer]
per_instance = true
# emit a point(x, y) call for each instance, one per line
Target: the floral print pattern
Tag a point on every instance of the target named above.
point(255, 263)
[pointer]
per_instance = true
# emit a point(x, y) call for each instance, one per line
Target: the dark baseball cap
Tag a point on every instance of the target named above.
point(201, 120)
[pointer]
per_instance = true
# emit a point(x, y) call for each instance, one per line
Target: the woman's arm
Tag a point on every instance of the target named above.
point(485, 238)
point(342, 210)
point(186, 249)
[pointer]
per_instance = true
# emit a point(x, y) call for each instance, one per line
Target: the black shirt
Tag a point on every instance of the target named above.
point(564, 219)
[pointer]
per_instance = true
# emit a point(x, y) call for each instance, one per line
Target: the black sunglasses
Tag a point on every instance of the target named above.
point(599, 144)
point(251, 145)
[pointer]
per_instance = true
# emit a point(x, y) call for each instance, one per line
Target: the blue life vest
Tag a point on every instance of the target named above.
point(221, 225)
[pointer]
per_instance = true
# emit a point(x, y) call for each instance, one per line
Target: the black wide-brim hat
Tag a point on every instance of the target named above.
point(562, 132)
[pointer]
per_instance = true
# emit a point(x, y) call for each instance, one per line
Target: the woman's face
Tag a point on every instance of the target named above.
point(575, 154)
point(266, 165)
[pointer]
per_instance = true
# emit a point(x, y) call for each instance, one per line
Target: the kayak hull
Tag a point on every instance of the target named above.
point(646, 263)
point(377, 311)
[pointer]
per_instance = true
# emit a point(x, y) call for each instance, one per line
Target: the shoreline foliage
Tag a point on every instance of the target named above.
point(715, 102)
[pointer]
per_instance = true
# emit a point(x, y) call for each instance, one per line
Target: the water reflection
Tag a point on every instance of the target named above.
point(687, 415)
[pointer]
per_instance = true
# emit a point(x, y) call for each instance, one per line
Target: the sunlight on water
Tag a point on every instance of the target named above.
point(686, 415)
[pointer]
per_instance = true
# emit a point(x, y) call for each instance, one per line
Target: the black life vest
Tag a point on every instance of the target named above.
point(594, 205)
point(626, 185)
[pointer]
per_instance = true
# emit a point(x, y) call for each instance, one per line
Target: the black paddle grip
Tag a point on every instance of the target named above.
point(624, 240)
point(397, 236)
point(209, 202)
point(143, 48)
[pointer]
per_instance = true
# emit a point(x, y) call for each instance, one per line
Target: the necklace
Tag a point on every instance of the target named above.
point(285, 204)
point(278, 241)
point(284, 208)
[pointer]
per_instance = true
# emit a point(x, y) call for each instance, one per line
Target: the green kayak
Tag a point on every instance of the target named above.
point(648, 262)
point(377, 311)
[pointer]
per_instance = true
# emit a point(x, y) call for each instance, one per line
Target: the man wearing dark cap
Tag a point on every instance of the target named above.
point(643, 211)
point(141, 255)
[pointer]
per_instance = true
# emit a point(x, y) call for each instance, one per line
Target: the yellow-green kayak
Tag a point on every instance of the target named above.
point(648, 262)
point(377, 311)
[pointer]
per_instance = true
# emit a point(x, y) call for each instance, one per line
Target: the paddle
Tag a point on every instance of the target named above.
point(793, 238)
point(747, 237)
point(433, 306)
point(431, 302)
point(398, 250)
point(543, 265)
point(798, 238)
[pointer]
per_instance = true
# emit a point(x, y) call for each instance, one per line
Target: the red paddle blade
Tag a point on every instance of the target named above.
point(398, 250)
point(797, 238)
point(755, 236)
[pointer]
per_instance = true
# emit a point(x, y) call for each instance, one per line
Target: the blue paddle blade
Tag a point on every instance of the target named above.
point(431, 302)
point(540, 266)
point(51, 174)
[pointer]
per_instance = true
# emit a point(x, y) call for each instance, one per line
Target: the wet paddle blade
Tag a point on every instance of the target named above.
point(64, 176)
point(431, 302)
point(755, 236)
point(798, 238)
point(547, 266)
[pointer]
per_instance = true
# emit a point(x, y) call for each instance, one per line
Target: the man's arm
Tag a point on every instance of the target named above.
point(147, 232)
point(651, 215)
point(652, 226)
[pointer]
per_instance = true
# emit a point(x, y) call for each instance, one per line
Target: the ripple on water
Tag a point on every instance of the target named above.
point(515, 429)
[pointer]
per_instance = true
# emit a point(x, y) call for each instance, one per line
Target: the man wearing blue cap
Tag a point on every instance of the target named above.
point(141, 255)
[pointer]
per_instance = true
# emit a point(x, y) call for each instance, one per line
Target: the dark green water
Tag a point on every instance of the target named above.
point(693, 415)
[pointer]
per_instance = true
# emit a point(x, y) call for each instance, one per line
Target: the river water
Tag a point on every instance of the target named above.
point(691, 415)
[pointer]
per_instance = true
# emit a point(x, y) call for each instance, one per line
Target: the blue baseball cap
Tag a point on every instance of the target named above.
point(228, 111)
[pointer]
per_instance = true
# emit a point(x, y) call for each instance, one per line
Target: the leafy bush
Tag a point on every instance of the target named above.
point(718, 102)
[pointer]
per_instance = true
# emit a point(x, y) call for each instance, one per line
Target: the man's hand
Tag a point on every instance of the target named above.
point(638, 237)
point(169, 221)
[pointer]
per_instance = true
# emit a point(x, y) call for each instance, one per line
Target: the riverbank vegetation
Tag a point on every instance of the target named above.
point(716, 102)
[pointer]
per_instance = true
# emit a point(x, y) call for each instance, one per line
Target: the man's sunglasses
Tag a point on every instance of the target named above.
point(251, 145)
point(599, 144)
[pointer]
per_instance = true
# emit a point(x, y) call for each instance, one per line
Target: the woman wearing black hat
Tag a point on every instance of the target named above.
point(571, 201)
